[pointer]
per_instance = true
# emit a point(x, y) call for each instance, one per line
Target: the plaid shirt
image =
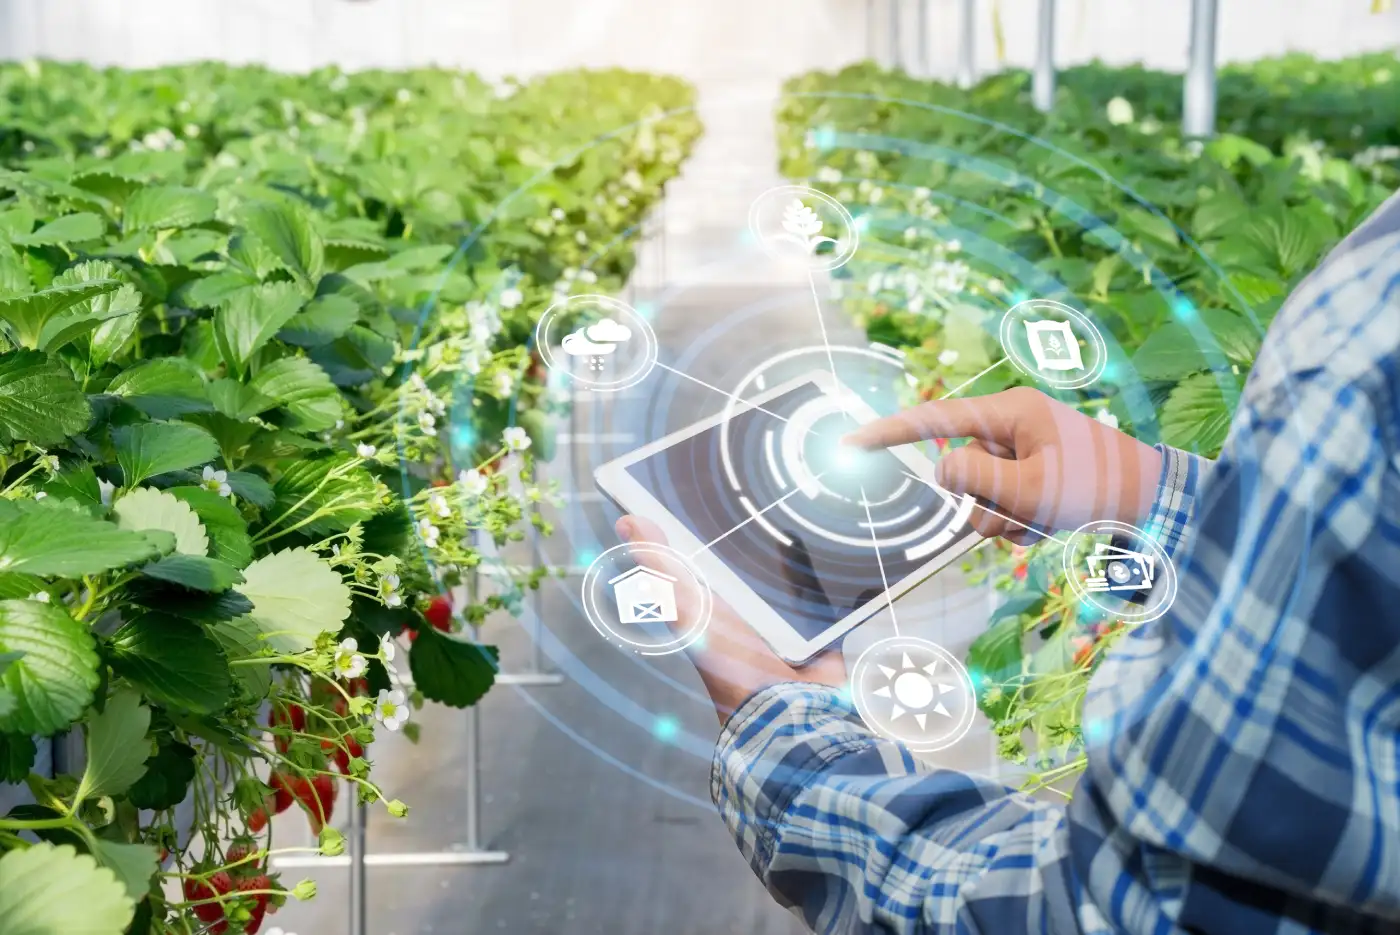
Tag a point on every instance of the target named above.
point(1243, 772)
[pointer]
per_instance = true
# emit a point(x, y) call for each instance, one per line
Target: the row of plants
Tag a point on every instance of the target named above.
point(971, 201)
point(266, 396)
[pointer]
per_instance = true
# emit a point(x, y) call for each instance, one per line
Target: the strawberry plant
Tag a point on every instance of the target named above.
point(971, 201)
point(264, 393)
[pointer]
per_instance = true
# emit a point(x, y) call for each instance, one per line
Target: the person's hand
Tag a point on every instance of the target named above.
point(1032, 459)
point(733, 660)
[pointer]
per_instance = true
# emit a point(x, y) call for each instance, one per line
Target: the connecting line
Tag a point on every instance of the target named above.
point(751, 518)
point(970, 380)
point(821, 322)
point(875, 544)
point(711, 386)
point(985, 509)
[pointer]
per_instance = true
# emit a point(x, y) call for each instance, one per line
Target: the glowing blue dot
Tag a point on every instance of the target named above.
point(645, 310)
point(463, 435)
point(586, 557)
point(1182, 307)
point(1018, 297)
point(1095, 730)
point(1110, 371)
point(861, 223)
point(844, 693)
point(699, 642)
point(666, 728)
point(824, 137)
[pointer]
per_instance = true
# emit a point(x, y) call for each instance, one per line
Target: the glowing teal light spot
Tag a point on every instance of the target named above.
point(646, 310)
point(586, 557)
point(844, 693)
point(861, 223)
point(1110, 372)
point(1018, 297)
point(463, 435)
point(824, 137)
point(1182, 307)
point(699, 642)
point(1095, 730)
point(666, 728)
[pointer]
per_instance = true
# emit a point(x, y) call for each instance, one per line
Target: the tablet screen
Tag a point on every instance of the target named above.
point(798, 516)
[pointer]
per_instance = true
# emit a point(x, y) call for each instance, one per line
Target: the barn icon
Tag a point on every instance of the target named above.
point(645, 596)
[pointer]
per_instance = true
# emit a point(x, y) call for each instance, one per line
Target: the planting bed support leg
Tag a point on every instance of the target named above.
point(967, 71)
point(1043, 82)
point(1198, 112)
point(924, 66)
point(896, 58)
point(355, 846)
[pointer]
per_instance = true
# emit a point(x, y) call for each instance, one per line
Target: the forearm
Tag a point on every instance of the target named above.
point(856, 835)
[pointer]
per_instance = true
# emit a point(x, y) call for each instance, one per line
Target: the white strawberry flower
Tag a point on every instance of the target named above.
point(1120, 111)
point(505, 383)
point(1107, 418)
point(349, 664)
point(41, 596)
point(511, 297)
point(391, 708)
point(948, 357)
point(588, 276)
point(427, 423)
point(516, 438)
point(389, 591)
point(365, 451)
point(557, 214)
point(387, 647)
point(829, 175)
point(428, 532)
point(216, 481)
point(580, 237)
point(439, 505)
point(473, 482)
point(41, 495)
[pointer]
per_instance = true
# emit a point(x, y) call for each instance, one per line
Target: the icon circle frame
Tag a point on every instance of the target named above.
point(1108, 527)
point(549, 349)
point(1017, 313)
point(894, 644)
point(593, 578)
point(851, 232)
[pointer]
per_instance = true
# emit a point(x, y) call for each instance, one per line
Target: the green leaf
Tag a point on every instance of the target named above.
point(70, 229)
point(17, 753)
point(1196, 416)
point(25, 316)
point(154, 448)
point(296, 597)
point(241, 639)
point(19, 587)
point(540, 427)
point(42, 538)
point(162, 388)
point(1238, 338)
point(78, 484)
point(147, 508)
point(451, 671)
point(168, 206)
point(238, 400)
point(173, 661)
point(78, 319)
point(251, 318)
point(117, 748)
point(215, 290)
point(1169, 353)
point(134, 865)
point(286, 230)
point(54, 680)
point(331, 489)
point(40, 401)
point(48, 890)
point(251, 487)
point(196, 572)
point(194, 606)
point(228, 531)
point(324, 319)
point(166, 782)
point(112, 335)
point(304, 390)
point(1155, 228)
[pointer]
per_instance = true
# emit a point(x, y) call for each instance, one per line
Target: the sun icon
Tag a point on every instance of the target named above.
point(914, 690)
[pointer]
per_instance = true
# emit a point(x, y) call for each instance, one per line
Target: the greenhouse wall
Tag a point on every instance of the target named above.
point(770, 39)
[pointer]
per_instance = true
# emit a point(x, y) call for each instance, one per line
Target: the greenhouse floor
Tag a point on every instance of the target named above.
point(608, 826)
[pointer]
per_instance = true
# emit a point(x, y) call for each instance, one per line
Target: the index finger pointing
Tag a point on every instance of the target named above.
point(990, 418)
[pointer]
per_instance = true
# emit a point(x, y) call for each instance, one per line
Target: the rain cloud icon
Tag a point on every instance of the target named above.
point(596, 341)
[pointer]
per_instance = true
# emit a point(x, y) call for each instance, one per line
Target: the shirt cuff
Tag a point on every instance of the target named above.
point(1169, 520)
point(772, 747)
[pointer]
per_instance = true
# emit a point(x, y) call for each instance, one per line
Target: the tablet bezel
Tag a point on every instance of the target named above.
point(614, 481)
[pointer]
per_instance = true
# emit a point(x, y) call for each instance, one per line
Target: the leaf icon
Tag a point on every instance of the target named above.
point(802, 226)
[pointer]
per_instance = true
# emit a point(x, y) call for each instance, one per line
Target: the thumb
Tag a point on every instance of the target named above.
point(972, 470)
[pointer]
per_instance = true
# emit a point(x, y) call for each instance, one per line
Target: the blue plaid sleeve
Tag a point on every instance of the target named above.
point(854, 835)
point(1169, 520)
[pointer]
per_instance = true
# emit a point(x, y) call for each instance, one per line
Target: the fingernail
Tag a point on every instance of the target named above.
point(625, 528)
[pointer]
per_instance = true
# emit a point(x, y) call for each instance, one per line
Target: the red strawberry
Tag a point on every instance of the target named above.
point(1083, 650)
point(1019, 572)
point(342, 752)
point(242, 847)
point(258, 820)
point(283, 794)
point(439, 613)
point(291, 716)
point(320, 802)
point(218, 884)
point(251, 884)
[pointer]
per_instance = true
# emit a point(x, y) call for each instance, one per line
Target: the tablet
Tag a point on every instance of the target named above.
point(803, 537)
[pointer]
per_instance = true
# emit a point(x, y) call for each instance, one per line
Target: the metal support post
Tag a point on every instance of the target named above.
point(359, 884)
point(1198, 114)
point(870, 30)
point(896, 59)
point(1043, 81)
point(967, 70)
point(925, 66)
